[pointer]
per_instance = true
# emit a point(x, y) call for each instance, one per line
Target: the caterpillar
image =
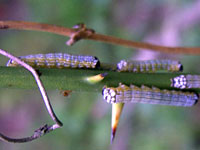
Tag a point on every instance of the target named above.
point(144, 94)
point(186, 81)
point(58, 60)
point(149, 66)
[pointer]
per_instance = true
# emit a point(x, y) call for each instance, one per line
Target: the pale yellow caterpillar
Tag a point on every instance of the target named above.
point(58, 60)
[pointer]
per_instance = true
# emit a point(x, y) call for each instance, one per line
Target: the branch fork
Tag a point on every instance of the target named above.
point(81, 32)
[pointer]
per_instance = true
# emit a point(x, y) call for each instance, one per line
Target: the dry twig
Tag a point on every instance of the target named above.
point(84, 33)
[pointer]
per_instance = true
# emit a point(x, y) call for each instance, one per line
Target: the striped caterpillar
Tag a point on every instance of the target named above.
point(134, 94)
point(186, 81)
point(58, 60)
point(149, 66)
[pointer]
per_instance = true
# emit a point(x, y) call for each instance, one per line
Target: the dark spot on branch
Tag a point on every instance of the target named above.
point(66, 92)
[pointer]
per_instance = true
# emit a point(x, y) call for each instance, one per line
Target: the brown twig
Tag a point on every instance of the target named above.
point(44, 95)
point(87, 34)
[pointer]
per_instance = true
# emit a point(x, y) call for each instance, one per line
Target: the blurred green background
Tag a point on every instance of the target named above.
point(85, 115)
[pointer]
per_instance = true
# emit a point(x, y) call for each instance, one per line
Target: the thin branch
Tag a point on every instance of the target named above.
point(40, 86)
point(37, 134)
point(22, 25)
point(143, 45)
point(38, 81)
point(87, 34)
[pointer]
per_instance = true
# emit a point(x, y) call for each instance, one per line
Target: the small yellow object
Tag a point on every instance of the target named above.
point(96, 78)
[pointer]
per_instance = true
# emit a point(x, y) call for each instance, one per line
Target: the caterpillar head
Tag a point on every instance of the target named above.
point(109, 95)
point(96, 62)
point(179, 82)
point(122, 66)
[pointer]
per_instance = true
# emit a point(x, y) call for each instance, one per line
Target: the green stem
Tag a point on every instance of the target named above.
point(74, 79)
